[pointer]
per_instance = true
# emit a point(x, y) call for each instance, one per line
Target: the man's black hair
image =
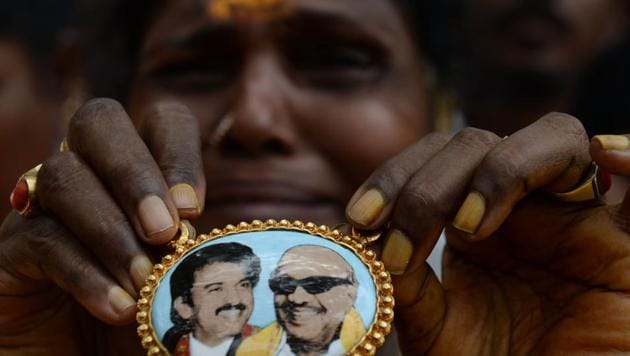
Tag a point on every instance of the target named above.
point(183, 279)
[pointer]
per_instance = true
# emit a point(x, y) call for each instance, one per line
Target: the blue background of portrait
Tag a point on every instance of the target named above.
point(269, 247)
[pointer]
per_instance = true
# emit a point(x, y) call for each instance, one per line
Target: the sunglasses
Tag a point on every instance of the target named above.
point(312, 285)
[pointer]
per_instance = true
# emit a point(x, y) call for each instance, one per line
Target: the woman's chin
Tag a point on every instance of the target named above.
point(219, 215)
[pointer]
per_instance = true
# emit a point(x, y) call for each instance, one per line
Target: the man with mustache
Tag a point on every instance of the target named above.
point(212, 299)
point(314, 293)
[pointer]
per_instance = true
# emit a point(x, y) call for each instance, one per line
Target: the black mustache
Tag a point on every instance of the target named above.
point(289, 307)
point(239, 307)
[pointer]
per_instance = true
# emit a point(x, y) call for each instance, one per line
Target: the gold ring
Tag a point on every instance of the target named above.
point(23, 195)
point(63, 147)
point(592, 187)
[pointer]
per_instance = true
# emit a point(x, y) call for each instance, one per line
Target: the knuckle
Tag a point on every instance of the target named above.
point(501, 170)
point(565, 123)
point(91, 115)
point(390, 177)
point(26, 244)
point(426, 199)
point(476, 139)
point(438, 138)
point(97, 106)
point(393, 174)
point(45, 236)
point(59, 172)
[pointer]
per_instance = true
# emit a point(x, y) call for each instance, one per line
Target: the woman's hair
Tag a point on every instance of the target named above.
point(114, 30)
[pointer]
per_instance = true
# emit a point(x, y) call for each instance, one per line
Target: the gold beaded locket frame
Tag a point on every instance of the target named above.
point(259, 288)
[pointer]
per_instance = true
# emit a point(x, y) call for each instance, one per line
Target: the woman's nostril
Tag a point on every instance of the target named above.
point(275, 146)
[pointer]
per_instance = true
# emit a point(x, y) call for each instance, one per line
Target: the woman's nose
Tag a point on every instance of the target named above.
point(261, 122)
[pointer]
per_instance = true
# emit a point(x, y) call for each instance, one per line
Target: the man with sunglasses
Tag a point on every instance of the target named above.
point(314, 293)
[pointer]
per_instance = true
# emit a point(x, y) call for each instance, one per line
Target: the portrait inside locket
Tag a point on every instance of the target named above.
point(265, 293)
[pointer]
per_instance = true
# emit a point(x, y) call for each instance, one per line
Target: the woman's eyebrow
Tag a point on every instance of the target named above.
point(317, 23)
point(307, 19)
point(322, 19)
point(209, 33)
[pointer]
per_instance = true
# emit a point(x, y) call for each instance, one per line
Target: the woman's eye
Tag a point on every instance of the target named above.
point(337, 68)
point(338, 59)
point(194, 76)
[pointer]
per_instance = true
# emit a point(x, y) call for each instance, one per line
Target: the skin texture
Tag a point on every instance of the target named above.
point(223, 301)
point(311, 320)
point(537, 276)
point(28, 121)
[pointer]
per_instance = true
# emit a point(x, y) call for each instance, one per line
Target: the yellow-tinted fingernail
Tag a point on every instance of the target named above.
point(471, 213)
point(140, 269)
point(612, 142)
point(397, 252)
point(367, 208)
point(120, 300)
point(154, 216)
point(185, 198)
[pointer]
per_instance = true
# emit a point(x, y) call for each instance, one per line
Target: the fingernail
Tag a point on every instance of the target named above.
point(612, 142)
point(140, 269)
point(185, 198)
point(397, 252)
point(154, 216)
point(120, 300)
point(470, 214)
point(369, 206)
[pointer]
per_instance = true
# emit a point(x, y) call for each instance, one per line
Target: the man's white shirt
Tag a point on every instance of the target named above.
point(283, 349)
point(435, 258)
point(197, 348)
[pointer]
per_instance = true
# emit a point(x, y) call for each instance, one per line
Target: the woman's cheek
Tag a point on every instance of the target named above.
point(360, 137)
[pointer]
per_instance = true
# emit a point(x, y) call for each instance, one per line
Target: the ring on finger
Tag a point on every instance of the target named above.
point(592, 187)
point(23, 197)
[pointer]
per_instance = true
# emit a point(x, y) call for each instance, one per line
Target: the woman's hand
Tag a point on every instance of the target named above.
point(523, 273)
point(103, 202)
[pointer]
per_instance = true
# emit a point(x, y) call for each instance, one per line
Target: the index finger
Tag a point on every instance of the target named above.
point(171, 132)
point(373, 203)
point(102, 133)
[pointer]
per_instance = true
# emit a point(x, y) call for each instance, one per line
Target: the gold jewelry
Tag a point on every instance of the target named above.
point(221, 130)
point(268, 262)
point(248, 10)
point(592, 187)
point(23, 197)
point(63, 146)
